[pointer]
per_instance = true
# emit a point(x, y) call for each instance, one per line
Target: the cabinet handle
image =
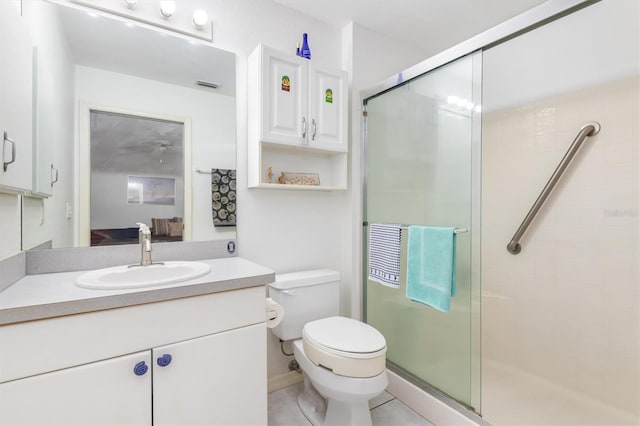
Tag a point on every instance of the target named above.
point(141, 368)
point(164, 360)
point(13, 151)
point(304, 127)
point(52, 174)
point(313, 129)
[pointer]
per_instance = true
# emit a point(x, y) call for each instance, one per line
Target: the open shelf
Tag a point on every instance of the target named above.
point(330, 166)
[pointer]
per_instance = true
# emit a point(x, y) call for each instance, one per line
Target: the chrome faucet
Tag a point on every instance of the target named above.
point(144, 236)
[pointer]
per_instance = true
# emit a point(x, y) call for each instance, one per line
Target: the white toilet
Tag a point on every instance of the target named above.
point(343, 360)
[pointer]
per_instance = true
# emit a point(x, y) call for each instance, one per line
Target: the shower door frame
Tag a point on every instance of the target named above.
point(520, 24)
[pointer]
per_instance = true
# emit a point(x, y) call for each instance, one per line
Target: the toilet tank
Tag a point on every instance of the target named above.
point(305, 296)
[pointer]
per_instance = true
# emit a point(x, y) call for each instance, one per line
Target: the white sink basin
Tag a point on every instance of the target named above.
point(120, 277)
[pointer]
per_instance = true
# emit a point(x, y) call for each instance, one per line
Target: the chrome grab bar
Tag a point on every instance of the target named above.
point(589, 129)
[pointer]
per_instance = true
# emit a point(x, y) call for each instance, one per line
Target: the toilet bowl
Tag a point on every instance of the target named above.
point(342, 359)
point(345, 346)
point(329, 399)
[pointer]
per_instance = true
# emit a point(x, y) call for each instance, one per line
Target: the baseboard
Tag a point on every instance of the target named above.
point(429, 406)
point(283, 380)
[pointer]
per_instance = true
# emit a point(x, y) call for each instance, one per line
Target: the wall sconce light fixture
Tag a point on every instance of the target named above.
point(167, 8)
point(146, 11)
point(200, 19)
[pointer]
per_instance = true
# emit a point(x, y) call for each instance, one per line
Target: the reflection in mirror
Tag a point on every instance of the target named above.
point(136, 175)
point(91, 61)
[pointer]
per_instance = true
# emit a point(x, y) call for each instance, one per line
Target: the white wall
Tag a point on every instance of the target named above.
point(212, 118)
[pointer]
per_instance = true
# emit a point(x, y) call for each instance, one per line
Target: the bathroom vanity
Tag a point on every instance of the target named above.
point(186, 353)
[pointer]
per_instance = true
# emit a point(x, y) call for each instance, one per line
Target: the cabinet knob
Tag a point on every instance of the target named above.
point(141, 368)
point(164, 360)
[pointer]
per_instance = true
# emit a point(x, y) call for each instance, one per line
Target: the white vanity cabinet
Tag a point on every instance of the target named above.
point(16, 88)
point(195, 360)
point(104, 392)
point(298, 120)
point(211, 380)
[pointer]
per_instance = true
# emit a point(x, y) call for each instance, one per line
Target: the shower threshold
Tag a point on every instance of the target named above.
point(458, 406)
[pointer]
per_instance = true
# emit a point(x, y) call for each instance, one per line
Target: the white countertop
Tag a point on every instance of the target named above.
point(50, 295)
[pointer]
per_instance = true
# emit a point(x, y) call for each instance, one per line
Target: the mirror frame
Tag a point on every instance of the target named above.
point(82, 169)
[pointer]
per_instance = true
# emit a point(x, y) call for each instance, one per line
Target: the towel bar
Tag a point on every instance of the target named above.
point(455, 231)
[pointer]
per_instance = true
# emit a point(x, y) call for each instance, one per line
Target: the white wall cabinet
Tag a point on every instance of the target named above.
point(205, 361)
point(297, 120)
point(16, 83)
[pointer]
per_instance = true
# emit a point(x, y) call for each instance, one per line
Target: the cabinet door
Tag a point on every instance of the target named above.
point(328, 105)
point(108, 392)
point(16, 82)
point(219, 379)
point(284, 98)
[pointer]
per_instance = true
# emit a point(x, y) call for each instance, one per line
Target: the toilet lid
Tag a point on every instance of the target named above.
point(344, 335)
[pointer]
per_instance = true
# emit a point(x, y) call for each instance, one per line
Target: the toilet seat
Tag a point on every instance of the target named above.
point(346, 346)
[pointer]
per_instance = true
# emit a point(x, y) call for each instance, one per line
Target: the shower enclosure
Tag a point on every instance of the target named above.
point(550, 335)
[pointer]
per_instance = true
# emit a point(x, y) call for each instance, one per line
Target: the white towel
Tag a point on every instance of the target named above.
point(384, 254)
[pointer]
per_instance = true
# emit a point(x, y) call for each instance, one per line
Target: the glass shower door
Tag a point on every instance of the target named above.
point(420, 160)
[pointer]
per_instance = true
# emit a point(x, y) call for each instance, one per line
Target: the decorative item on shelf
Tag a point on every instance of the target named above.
point(305, 52)
point(223, 197)
point(281, 177)
point(298, 53)
point(289, 178)
point(270, 174)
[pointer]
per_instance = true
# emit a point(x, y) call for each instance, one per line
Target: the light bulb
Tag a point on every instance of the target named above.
point(200, 18)
point(130, 3)
point(167, 8)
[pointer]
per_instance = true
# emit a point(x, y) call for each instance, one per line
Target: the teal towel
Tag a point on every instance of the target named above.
point(431, 266)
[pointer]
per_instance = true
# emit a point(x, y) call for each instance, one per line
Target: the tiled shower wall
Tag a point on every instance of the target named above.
point(561, 319)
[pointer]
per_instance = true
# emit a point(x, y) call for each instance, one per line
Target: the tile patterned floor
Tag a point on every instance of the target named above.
point(385, 410)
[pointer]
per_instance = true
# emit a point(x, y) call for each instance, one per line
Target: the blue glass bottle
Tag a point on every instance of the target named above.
point(304, 50)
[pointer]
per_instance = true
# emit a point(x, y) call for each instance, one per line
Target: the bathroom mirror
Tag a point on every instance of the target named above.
point(87, 61)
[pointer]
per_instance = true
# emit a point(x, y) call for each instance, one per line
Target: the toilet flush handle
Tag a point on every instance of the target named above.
point(289, 292)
